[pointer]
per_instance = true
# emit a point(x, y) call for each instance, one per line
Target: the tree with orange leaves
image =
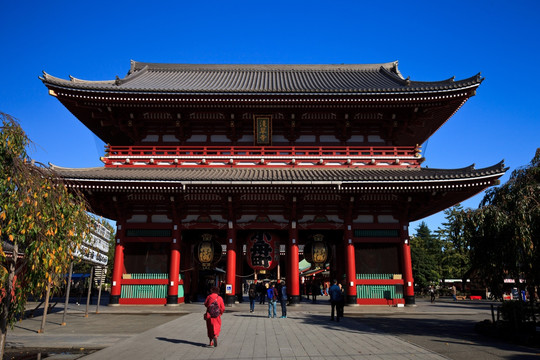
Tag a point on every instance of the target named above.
point(41, 225)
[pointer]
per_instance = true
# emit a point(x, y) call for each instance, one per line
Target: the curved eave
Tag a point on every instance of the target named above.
point(339, 178)
point(322, 80)
point(140, 93)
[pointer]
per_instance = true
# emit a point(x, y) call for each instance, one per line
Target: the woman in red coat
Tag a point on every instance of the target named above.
point(213, 324)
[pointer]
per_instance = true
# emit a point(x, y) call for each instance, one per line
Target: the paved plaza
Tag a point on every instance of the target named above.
point(367, 332)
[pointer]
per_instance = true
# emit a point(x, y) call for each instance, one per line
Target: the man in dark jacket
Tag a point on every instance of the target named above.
point(283, 299)
point(336, 297)
point(261, 290)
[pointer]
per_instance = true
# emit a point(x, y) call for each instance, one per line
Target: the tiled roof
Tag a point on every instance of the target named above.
point(276, 176)
point(279, 79)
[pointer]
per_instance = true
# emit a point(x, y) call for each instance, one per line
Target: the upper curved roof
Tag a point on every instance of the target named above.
point(282, 79)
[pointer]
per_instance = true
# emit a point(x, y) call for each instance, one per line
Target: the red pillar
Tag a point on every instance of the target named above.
point(293, 276)
point(231, 263)
point(408, 286)
point(350, 287)
point(118, 269)
point(174, 268)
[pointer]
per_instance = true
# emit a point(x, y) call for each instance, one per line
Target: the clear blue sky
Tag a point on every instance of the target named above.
point(96, 40)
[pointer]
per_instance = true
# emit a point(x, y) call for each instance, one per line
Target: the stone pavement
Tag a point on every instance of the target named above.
point(178, 332)
point(254, 336)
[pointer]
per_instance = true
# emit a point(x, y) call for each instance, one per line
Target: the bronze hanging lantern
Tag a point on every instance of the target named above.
point(208, 252)
point(316, 251)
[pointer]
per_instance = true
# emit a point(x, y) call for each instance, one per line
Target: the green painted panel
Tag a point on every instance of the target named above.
point(144, 291)
point(375, 276)
point(379, 291)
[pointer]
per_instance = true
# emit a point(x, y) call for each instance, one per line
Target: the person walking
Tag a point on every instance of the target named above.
point(215, 307)
point(271, 293)
point(315, 289)
point(252, 294)
point(341, 305)
point(261, 290)
point(283, 300)
point(336, 297)
point(454, 292)
point(432, 293)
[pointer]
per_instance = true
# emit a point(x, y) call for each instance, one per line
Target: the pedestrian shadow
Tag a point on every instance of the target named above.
point(180, 341)
point(346, 324)
point(250, 315)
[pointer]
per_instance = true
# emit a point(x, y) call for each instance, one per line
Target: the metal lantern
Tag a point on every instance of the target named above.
point(208, 251)
point(262, 250)
point(316, 251)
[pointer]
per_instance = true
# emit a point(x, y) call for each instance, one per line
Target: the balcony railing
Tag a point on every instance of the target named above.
point(269, 156)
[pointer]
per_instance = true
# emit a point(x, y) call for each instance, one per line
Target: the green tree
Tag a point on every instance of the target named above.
point(425, 256)
point(41, 225)
point(455, 262)
point(504, 232)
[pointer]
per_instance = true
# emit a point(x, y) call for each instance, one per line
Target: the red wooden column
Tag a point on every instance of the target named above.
point(118, 269)
point(174, 268)
point(408, 286)
point(231, 263)
point(350, 287)
point(293, 276)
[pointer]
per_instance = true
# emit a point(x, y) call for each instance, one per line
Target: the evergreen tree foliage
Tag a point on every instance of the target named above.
point(425, 256)
point(455, 262)
point(504, 232)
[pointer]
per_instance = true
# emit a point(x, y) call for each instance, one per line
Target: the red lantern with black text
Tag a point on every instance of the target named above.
point(262, 250)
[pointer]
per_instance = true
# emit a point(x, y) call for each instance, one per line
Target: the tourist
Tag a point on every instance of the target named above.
point(261, 290)
point(283, 300)
point(336, 298)
point(213, 315)
point(315, 289)
point(271, 293)
point(341, 306)
point(252, 294)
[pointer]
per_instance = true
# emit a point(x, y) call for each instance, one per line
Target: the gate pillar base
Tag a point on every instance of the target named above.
point(229, 300)
point(294, 300)
point(172, 300)
point(410, 300)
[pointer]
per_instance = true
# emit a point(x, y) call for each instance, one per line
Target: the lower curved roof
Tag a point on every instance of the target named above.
point(427, 191)
point(301, 176)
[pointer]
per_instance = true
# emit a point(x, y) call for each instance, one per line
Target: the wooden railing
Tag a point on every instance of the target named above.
point(271, 156)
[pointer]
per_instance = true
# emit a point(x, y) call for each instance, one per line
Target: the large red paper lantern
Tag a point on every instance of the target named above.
point(262, 250)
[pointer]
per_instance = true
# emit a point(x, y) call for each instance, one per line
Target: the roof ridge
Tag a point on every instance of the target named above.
point(136, 66)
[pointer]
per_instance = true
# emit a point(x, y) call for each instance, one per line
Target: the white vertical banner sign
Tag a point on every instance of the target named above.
point(95, 246)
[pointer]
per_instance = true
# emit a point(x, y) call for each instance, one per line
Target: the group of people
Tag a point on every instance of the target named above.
point(275, 292)
point(215, 306)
